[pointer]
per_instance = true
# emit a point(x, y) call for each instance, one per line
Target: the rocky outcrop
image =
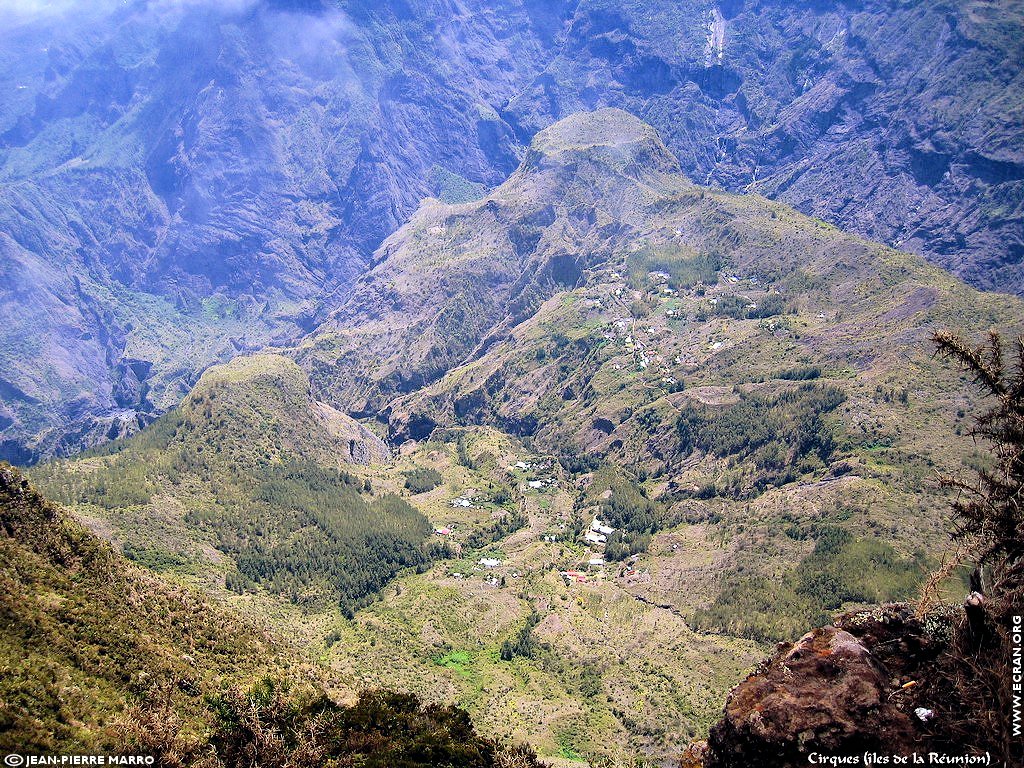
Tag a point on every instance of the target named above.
point(359, 444)
point(841, 690)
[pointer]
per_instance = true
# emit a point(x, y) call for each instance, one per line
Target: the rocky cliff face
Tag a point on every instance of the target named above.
point(884, 681)
point(183, 181)
point(898, 121)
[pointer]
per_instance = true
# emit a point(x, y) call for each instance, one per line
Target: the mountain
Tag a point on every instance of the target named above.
point(102, 655)
point(184, 182)
point(743, 401)
point(599, 269)
point(251, 467)
point(87, 635)
point(900, 122)
point(757, 369)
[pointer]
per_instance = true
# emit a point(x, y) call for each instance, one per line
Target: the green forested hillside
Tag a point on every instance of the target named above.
point(101, 656)
point(638, 430)
point(250, 468)
point(86, 635)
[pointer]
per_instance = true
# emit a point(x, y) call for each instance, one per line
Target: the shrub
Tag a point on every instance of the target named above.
point(523, 643)
point(421, 480)
point(274, 726)
point(781, 433)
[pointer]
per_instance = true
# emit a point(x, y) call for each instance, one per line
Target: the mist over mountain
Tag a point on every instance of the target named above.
point(535, 366)
point(182, 180)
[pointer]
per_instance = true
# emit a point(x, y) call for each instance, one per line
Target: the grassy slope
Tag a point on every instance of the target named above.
point(100, 655)
point(86, 634)
point(474, 321)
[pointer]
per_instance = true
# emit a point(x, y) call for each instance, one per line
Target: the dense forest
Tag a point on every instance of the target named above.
point(781, 434)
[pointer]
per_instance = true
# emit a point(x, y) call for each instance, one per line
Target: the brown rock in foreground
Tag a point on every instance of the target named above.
point(840, 690)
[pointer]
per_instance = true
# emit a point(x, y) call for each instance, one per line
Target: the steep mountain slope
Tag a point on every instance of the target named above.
point(183, 181)
point(455, 280)
point(250, 467)
point(741, 399)
point(657, 282)
point(760, 370)
point(86, 634)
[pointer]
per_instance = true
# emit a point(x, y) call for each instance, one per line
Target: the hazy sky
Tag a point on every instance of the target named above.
point(33, 9)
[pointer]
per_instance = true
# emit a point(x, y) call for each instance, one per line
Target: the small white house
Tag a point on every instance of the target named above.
point(594, 538)
point(489, 562)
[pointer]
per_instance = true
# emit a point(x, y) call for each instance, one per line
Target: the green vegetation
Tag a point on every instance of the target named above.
point(249, 463)
point(296, 529)
point(685, 268)
point(523, 643)
point(275, 726)
point(841, 569)
point(154, 559)
point(799, 373)
point(624, 506)
point(421, 480)
point(989, 523)
point(313, 533)
point(453, 188)
point(462, 451)
point(741, 307)
point(782, 434)
point(101, 656)
point(496, 530)
point(988, 510)
point(85, 634)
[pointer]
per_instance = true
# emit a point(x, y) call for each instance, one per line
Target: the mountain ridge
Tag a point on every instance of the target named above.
point(142, 155)
point(743, 396)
